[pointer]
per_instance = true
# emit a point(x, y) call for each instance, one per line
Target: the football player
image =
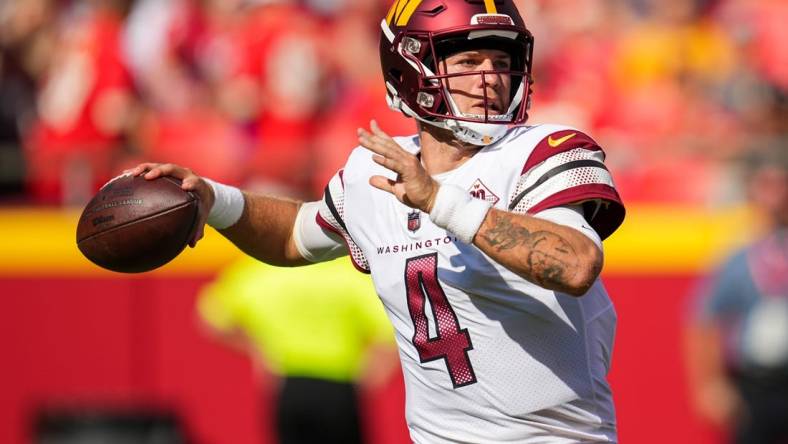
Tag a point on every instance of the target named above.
point(482, 235)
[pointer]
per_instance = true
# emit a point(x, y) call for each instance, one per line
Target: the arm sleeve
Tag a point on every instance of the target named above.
point(321, 234)
point(315, 243)
point(331, 217)
point(571, 216)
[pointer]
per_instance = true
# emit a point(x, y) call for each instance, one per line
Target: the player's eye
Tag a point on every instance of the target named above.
point(502, 65)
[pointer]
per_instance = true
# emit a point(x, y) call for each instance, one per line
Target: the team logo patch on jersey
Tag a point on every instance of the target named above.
point(414, 220)
point(480, 191)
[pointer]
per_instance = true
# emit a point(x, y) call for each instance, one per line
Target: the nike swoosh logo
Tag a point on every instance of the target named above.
point(554, 143)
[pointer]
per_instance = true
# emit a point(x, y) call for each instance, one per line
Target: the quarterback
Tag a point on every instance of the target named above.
point(482, 235)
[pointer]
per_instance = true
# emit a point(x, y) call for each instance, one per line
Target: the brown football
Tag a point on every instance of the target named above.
point(134, 225)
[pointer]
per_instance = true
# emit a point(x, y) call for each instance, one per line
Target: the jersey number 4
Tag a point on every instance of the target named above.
point(450, 342)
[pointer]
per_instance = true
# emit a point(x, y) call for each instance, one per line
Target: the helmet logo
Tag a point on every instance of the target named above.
point(425, 100)
point(402, 10)
point(413, 46)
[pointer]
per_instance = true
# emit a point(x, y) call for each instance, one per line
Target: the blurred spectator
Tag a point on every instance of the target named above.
point(165, 41)
point(668, 70)
point(758, 89)
point(357, 92)
point(25, 41)
point(737, 347)
point(285, 54)
point(573, 67)
point(84, 106)
point(759, 27)
point(236, 86)
point(322, 331)
point(672, 88)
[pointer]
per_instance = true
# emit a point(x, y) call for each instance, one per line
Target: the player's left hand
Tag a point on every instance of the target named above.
point(414, 187)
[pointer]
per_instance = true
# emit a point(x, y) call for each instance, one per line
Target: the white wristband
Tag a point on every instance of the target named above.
point(458, 212)
point(228, 205)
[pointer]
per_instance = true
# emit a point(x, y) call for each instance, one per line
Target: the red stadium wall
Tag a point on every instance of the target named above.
point(114, 344)
point(72, 336)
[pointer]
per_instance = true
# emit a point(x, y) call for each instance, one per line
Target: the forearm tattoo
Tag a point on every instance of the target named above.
point(550, 260)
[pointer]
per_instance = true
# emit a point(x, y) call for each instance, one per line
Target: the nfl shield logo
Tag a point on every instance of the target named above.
point(414, 220)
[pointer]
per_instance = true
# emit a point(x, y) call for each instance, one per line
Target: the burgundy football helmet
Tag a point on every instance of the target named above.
point(416, 34)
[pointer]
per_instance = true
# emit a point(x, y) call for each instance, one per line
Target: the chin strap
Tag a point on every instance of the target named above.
point(478, 134)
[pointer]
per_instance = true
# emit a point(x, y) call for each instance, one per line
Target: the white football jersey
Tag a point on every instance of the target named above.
point(487, 356)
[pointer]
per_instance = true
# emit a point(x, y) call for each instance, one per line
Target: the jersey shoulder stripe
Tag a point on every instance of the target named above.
point(329, 200)
point(331, 216)
point(566, 166)
point(590, 163)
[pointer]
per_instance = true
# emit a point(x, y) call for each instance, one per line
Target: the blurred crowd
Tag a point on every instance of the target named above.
point(268, 93)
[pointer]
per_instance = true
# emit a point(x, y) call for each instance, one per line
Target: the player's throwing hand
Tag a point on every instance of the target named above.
point(189, 182)
point(414, 187)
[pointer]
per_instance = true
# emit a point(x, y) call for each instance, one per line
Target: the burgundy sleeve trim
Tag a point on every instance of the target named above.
point(553, 144)
point(325, 224)
point(609, 217)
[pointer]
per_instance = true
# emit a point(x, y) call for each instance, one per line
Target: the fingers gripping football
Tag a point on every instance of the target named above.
point(189, 182)
point(414, 187)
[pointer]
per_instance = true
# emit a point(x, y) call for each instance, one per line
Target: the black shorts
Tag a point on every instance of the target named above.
point(313, 411)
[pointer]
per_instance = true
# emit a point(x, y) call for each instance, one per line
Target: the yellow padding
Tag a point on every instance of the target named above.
point(670, 239)
point(43, 242)
point(653, 240)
